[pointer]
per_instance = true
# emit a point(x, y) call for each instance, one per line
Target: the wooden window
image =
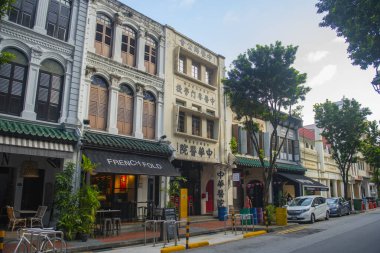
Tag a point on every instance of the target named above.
point(128, 46)
point(150, 57)
point(103, 36)
point(210, 129)
point(149, 116)
point(125, 110)
point(13, 84)
point(98, 107)
point(208, 76)
point(196, 126)
point(58, 19)
point(23, 12)
point(181, 122)
point(195, 70)
point(181, 64)
point(49, 91)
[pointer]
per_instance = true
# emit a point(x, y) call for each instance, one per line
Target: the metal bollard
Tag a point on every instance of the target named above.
point(187, 232)
point(2, 235)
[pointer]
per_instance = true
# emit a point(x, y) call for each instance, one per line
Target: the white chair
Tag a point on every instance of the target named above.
point(37, 219)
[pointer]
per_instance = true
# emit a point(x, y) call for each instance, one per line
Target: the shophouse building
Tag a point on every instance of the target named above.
point(194, 119)
point(39, 98)
point(122, 102)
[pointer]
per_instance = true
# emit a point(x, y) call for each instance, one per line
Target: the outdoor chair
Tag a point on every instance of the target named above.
point(37, 219)
point(13, 221)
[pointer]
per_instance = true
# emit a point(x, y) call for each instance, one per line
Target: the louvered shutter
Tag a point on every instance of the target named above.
point(103, 108)
point(125, 114)
point(151, 120)
point(93, 107)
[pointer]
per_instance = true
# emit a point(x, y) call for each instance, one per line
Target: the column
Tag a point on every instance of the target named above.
point(163, 192)
point(160, 115)
point(342, 189)
point(140, 50)
point(66, 95)
point(137, 117)
point(91, 27)
point(116, 48)
point(73, 22)
point(31, 84)
point(243, 138)
point(335, 186)
point(270, 199)
point(42, 9)
point(112, 105)
point(161, 58)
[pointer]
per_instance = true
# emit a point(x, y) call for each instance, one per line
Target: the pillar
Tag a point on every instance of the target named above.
point(40, 23)
point(116, 47)
point(335, 187)
point(140, 50)
point(161, 58)
point(112, 105)
point(160, 115)
point(73, 23)
point(138, 115)
point(91, 27)
point(31, 87)
point(66, 96)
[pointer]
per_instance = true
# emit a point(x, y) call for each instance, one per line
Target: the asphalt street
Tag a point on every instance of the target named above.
point(348, 234)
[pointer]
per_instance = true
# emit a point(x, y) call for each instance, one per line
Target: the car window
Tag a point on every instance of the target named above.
point(322, 200)
point(315, 201)
point(301, 202)
point(332, 201)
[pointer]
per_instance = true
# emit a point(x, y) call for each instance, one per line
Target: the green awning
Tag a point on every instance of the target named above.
point(125, 144)
point(36, 131)
point(255, 163)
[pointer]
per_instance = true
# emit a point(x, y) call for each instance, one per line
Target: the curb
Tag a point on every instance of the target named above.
point(256, 233)
point(198, 244)
point(173, 249)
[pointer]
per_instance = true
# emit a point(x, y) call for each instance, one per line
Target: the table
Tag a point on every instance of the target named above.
point(23, 213)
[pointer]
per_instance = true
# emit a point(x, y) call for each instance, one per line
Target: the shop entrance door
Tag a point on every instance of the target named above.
point(32, 191)
point(255, 193)
point(210, 196)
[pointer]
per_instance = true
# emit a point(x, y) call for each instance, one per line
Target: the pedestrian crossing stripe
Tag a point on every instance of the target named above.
point(291, 230)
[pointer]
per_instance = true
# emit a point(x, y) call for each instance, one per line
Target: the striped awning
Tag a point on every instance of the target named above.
point(23, 146)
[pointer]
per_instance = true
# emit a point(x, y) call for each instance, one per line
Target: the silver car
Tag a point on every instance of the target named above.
point(308, 209)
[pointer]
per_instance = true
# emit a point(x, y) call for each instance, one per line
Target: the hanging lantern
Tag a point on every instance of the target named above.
point(30, 169)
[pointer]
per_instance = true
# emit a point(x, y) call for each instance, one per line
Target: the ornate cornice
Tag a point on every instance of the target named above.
point(26, 35)
point(115, 68)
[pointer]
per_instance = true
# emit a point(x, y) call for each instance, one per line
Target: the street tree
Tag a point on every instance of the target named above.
point(358, 21)
point(371, 151)
point(343, 125)
point(5, 5)
point(263, 84)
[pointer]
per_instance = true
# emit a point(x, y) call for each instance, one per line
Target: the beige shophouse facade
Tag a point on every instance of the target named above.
point(316, 158)
point(194, 119)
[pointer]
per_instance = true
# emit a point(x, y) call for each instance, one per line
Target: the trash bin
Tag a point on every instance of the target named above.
point(222, 211)
point(358, 204)
point(254, 215)
point(246, 211)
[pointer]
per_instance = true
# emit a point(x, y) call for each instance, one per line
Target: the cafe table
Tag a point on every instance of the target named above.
point(102, 215)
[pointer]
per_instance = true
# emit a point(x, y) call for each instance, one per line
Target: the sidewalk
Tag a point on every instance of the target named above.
point(211, 230)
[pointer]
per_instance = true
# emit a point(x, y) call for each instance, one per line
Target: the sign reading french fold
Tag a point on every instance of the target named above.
point(128, 163)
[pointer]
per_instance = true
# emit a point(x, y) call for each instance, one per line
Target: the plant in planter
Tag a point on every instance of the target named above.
point(66, 201)
point(271, 211)
point(88, 196)
point(174, 189)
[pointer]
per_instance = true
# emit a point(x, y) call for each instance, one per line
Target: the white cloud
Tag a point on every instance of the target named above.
point(316, 56)
point(339, 40)
point(230, 17)
point(325, 75)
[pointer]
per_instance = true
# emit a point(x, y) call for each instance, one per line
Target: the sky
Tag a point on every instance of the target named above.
point(230, 28)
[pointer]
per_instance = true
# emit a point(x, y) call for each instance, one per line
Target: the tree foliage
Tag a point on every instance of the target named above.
point(263, 84)
point(5, 5)
point(343, 127)
point(358, 21)
point(371, 151)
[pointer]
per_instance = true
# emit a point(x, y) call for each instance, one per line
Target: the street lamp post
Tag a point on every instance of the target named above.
point(376, 81)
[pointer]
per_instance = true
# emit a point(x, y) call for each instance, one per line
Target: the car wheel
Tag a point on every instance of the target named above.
point(312, 218)
point(348, 212)
point(327, 215)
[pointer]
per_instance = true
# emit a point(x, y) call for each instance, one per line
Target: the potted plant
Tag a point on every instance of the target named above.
point(174, 189)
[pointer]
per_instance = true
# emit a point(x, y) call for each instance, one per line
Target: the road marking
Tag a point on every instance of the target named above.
point(292, 230)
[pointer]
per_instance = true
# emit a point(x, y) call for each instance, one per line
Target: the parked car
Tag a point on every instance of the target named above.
point(338, 206)
point(308, 209)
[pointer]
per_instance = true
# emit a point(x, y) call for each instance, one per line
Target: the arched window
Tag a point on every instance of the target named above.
point(149, 115)
point(13, 83)
point(98, 108)
point(103, 36)
point(58, 19)
point(128, 46)
point(125, 110)
point(150, 56)
point(23, 12)
point(49, 91)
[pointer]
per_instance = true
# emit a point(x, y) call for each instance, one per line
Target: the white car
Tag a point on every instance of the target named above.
point(308, 209)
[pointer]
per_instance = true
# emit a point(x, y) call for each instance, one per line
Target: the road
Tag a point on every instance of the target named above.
point(349, 234)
